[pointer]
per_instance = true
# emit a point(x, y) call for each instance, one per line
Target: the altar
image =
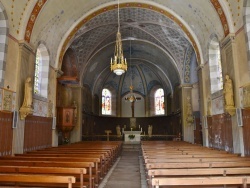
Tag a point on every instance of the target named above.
point(136, 139)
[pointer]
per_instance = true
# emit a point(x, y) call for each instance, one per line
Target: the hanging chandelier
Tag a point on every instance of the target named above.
point(119, 64)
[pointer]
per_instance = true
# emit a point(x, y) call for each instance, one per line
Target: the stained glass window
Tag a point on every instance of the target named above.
point(159, 102)
point(37, 79)
point(106, 101)
point(215, 66)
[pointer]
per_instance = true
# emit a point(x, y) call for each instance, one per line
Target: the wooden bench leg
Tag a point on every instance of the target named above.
point(244, 182)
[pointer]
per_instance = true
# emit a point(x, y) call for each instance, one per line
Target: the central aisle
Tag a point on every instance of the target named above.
point(126, 171)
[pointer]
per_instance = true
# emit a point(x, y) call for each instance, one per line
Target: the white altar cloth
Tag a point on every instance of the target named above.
point(136, 133)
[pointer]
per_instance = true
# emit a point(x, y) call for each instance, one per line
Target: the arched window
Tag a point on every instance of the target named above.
point(215, 66)
point(41, 71)
point(106, 102)
point(159, 102)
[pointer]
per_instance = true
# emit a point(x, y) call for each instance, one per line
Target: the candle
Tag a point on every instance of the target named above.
point(141, 129)
point(139, 126)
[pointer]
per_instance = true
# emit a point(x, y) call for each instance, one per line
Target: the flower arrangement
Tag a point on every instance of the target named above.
point(66, 140)
point(131, 136)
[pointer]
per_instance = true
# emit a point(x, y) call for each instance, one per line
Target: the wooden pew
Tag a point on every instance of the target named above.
point(198, 165)
point(200, 171)
point(201, 181)
point(156, 173)
point(189, 159)
point(181, 159)
point(87, 165)
point(95, 173)
point(41, 179)
point(47, 170)
point(106, 157)
point(101, 157)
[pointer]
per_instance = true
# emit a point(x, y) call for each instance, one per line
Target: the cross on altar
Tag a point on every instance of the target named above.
point(132, 98)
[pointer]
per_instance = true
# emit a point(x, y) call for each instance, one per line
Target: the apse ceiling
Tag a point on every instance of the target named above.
point(154, 45)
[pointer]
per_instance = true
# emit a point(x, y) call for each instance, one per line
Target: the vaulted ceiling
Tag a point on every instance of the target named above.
point(163, 40)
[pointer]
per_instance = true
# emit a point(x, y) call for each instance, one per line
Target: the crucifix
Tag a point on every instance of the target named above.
point(132, 98)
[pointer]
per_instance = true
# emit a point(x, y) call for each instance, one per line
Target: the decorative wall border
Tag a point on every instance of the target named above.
point(222, 16)
point(127, 5)
point(33, 16)
point(37, 8)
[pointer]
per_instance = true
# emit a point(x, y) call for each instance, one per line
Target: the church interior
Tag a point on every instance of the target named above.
point(161, 76)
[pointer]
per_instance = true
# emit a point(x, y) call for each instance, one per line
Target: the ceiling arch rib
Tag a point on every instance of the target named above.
point(158, 34)
point(160, 61)
point(143, 6)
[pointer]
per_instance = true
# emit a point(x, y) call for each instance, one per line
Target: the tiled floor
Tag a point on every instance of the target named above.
point(127, 172)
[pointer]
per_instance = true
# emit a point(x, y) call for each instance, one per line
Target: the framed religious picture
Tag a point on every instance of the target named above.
point(7, 100)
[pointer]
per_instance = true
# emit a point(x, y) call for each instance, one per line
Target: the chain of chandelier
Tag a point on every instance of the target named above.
point(118, 64)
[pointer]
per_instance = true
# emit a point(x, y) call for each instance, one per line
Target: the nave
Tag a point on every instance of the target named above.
point(113, 164)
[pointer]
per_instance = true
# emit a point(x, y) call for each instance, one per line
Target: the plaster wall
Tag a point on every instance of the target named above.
point(240, 41)
point(10, 78)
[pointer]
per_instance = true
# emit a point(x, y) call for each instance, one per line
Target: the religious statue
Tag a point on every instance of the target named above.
point(228, 91)
point(118, 130)
point(228, 95)
point(150, 129)
point(27, 102)
point(132, 98)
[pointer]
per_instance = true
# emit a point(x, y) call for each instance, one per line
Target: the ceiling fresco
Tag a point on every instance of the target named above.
point(168, 38)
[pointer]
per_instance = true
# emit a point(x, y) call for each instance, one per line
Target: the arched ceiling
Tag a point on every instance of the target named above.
point(165, 35)
point(157, 42)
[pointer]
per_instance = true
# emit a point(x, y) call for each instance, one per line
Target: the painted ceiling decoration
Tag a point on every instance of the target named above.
point(128, 5)
point(167, 44)
point(222, 16)
point(41, 3)
point(36, 10)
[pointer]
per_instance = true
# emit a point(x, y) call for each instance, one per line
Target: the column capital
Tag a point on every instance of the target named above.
point(24, 45)
point(227, 40)
point(186, 86)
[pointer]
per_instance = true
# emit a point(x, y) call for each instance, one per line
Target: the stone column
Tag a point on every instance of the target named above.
point(186, 101)
point(203, 103)
point(230, 66)
point(25, 68)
